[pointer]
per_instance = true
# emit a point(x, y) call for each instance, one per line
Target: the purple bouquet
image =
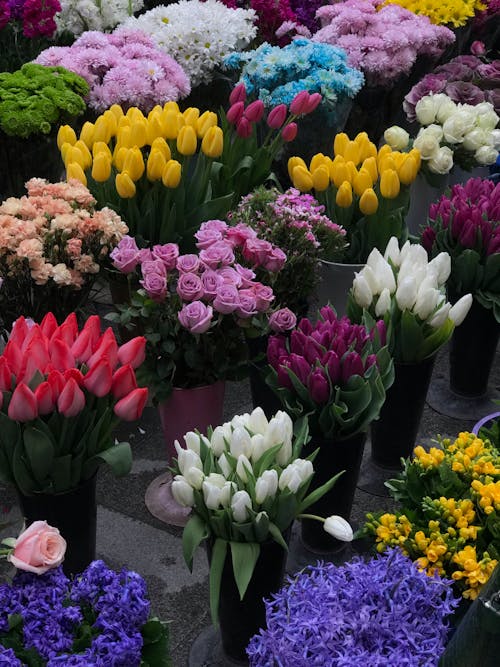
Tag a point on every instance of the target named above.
point(383, 43)
point(378, 612)
point(277, 22)
point(465, 79)
point(99, 618)
point(333, 371)
point(124, 68)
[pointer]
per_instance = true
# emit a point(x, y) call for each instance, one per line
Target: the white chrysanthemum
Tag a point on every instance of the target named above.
point(78, 16)
point(197, 34)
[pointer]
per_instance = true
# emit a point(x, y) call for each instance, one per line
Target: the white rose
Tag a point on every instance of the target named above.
point(427, 144)
point(426, 109)
point(396, 137)
point(488, 120)
point(442, 161)
point(495, 138)
point(435, 131)
point(477, 138)
point(445, 107)
point(457, 126)
point(486, 155)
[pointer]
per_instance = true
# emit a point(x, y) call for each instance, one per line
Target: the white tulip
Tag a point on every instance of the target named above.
point(220, 435)
point(405, 249)
point(384, 303)
point(442, 264)
point(226, 492)
point(486, 155)
point(258, 443)
point(406, 294)
point(392, 251)
point(225, 466)
point(290, 478)
point(186, 459)
point(374, 258)
point(385, 276)
point(194, 476)
point(397, 138)
point(442, 161)
point(280, 430)
point(458, 312)
point(339, 528)
point(182, 491)
point(240, 442)
point(427, 300)
point(426, 109)
point(243, 468)
point(266, 486)
point(192, 441)
point(211, 495)
point(361, 291)
point(240, 420)
point(440, 316)
point(216, 479)
point(240, 504)
point(369, 275)
point(304, 468)
point(258, 421)
point(416, 254)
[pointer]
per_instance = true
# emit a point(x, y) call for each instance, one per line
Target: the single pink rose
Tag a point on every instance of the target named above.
point(125, 256)
point(275, 260)
point(248, 304)
point(219, 254)
point(188, 263)
point(154, 266)
point(196, 317)
point(155, 286)
point(238, 234)
point(227, 299)
point(190, 287)
point(211, 281)
point(256, 251)
point(207, 236)
point(38, 548)
point(247, 275)
point(264, 296)
point(218, 225)
point(230, 276)
point(167, 253)
point(282, 320)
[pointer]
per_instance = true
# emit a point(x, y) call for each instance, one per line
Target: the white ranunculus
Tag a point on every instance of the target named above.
point(427, 300)
point(406, 294)
point(440, 316)
point(476, 138)
point(192, 441)
point(442, 264)
point(182, 492)
point(384, 303)
point(211, 495)
point(458, 312)
point(258, 421)
point(339, 528)
point(486, 155)
point(426, 144)
point(225, 466)
point(495, 138)
point(194, 477)
point(426, 109)
point(243, 467)
point(240, 504)
point(435, 131)
point(266, 486)
point(397, 138)
point(446, 107)
point(361, 291)
point(392, 251)
point(241, 442)
point(442, 161)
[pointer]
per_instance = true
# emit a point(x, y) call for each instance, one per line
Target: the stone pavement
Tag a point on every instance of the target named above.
point(129, 536)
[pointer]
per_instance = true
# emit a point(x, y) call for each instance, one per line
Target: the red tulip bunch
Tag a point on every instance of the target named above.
point(62, 392)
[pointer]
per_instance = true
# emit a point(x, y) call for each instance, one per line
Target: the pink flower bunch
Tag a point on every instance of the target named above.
point(37, 16)
point(48, 368)
point(123, 68)
point(276, 20)
point(384, 43)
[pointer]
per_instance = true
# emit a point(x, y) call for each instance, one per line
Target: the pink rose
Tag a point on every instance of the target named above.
point(219, 225)
point(256, 251)
point(38, 548)
point(282, 320)
point(145, 255)
point(248, 304)
point(188, 263)
point(207, 237)
point(217, 255)
point(167, 253)
point(227, 299)
point(275, 260)
point(125, 256)
point(153, 266)
point(238, 234)
point(247, 275)
point(189, 287)
point(264, 296)
point(211, 281)
point(230, 276)
point(196, 317)
point(155, 285)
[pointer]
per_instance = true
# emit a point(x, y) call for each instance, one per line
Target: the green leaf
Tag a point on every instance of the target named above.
point(318, 493)
point(277, 535)
point(40, 452)
point(195, 531)
point(22, 476)
point(411, 336)
point(245, 556)
point(216, 566)
point(118, 457)
point(61, 473)
point(155, 648)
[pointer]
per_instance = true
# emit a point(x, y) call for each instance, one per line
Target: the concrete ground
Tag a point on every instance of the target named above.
point(128, 535)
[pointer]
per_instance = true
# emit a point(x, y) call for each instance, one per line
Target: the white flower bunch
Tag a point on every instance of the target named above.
point(197, 34)
point(408, 292)
point(454, 132)
point(78, 16)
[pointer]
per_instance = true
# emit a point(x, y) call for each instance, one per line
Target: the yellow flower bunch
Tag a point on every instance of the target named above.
point(472, 572)
point(488, 495)
point(468, 455)
point(431, 459)
point(452, 13)
point(360, 185)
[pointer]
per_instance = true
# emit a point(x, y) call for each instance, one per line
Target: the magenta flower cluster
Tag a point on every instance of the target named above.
point(469, 217)
point(36, 16)
point(465, 79)
point(383, 43)
point(323, 356)
point(276, 20)
point(123, 68)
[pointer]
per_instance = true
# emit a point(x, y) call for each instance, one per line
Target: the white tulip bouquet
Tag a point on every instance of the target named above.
point(246, 483)
point(408, 292)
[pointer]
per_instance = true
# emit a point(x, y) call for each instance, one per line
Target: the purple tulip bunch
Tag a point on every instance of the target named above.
point(320, 368)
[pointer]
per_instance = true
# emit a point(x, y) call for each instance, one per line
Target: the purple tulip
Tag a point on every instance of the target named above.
point(300, 367)
point(328, 314)
point(428, 237)
point(371, 360)
point(305, 326)
point(312, 351)
point(297, 341)
point(275, 350)
point(331, 362)
point(318, 386)
point(283, 376)
point(468, 234)
point(382, 332)
point(352, 364)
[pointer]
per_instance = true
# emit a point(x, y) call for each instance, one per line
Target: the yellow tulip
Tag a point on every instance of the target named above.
point(125, 186)
point(386, 162)
point(370, 164)
point(368, 203)
point(191, 115)
point(117, 111)
point(187, 141)
point(154, 128)
point(344, 195)
point(302, 178)
point(101, 147)
point(321, 178)
point(340, 173)
point(65, 134)
point(87, 157)
point(74, 170)
point(155, 166)
point(156, 110)
point(340, 143)
point(171, 106)
point(64, 151)
point(87, 134)
point(102, 130)
point(352, 153)
point(135, 114)
point(212, 143)
point(353, 172)
point(124, 122)
point(398, 158)
point(294, 162)
point(361, 138)
point(161, 145)
point(207, 120)
point(172, 173)
point(415, 154)
point(316, 161)
point(134, 163)
point(407, 172)
point(171, 124)
point(389, 184)
point(370, 150)
point(124, 137)
point(119, 155)
point(112, 121)
point(138, 133)
point(101, 168)
point(362, 181)
point(74, 155)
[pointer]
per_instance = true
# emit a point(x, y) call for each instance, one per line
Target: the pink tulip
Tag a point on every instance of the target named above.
point(5, 375)
point(130, 407)
point(93, 326)
point(23, 405)
point(238, 94)
point(61, 355)
point(133, 353)
point(45, 398)
point(277, 116)
point(57, 382)
point(124, 382)
point(98, 379)
point(82, 347)
point(313, 102)
point(289, 132)
point(13, 356)
point(255, 111)
point(71, 400)
point(19, 331)
point(107, 347)
point(70, 325)
point(299, 103)
point(235, 113)
point(35, 358)
point(48, 325)
point(74, 373)
point(244, 128)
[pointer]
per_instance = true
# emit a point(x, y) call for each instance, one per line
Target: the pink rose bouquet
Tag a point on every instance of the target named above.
point(196, 308)
point(62, 392)
point(38, 549)
point(53, 243)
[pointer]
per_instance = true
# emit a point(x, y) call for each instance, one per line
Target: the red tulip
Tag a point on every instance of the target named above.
point(82, 347)
point(107, 348)
point(19, 331)
point(93, 326)
point(289, 132)
point(5, 375)
point(238, 94)
point(23, 405)
point(313, 102)
point(13, 356)
point(124, 382)
point(57, 382)
point(70, 325)
point(277, 116)
point(48, 325)
point(132, 353)
point(75, 374)
point(71, 400)
point(45, 398)
point(255, 111)
point(299, 103)
point(99, 378)
point(60, 355)
point(235, 113)
point(244, 128)
point(131, 406)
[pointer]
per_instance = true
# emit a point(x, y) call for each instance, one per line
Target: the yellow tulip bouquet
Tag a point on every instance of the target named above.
point(365, 190)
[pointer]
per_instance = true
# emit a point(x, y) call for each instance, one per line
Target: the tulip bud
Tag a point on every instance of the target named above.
point(102, 130)
point(440, 316)
point(99, 378)
point(258, 422)
point(338, 528)
point(406, 293)
point(238, 94)
point(224, 465)
point(123, 382)
point(266, 486)
point(101, 147)
point(384, 303)
point(171, 123)
point(240, 504)
point(133, 352)
point(130, 407)
point(368, 202)
point(244, 128)
point(207, 120)
point(138, 133)
point(299, 103)
point(289, 132)
point(159, 144)
point(187, 141)
point(407, 172)
point(370, 164)
point(361, 291)
point(318, 386)
point(155, 165)
point(458, 312)
point(352, 364)
point(182, 492)
point(154, 128)
point(340, 143)
point(290, 478)
point(71, 400)
point(255, 111)
point(212, 143)
point(312, 103)
point(442, 265)
point(339, 173)
point(23, 406)
point(65, 134)
point(101, 168)
point(194, 477)
point(74, 170)
point(362, 181)
point(211, 495)
point(427, 300)
point(243, 468)
point(124, 185)
point(389, 184)
point(172, 174)
point(277, 116)
point(5, 375)
point(321, 178)
point(240, 443)
point(344, 195)
point(87, 134)
point(220, 435)
point(134, 164)
point(351, 152)
point(302, 179)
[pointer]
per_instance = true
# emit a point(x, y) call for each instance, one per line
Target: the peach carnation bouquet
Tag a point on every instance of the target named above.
point(52, 245)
